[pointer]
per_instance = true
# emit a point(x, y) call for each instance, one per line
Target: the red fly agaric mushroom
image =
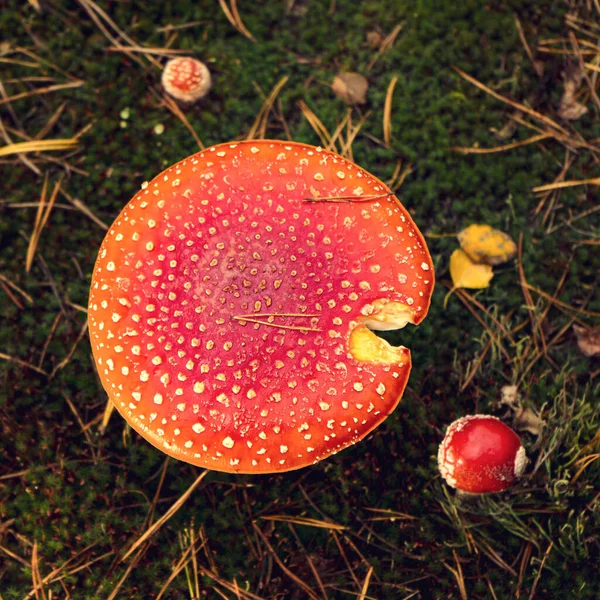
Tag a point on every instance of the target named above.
point(480, 454)
point(233, 299)
point(186, 79)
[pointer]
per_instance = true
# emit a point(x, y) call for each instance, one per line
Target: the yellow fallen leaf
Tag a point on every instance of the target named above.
point(467, 274)
point(486, 245)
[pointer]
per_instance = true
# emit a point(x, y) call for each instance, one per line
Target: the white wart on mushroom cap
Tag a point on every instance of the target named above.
point(232, 299)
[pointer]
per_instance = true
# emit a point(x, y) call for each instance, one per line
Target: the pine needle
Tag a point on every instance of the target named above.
point(38, 146)
point(387, 112)
point(174, 508)
point(504, 148)
point(385, 46)
point(16, 288)
point(108, 411)
point(44, 90)
point(315, 123)
point(305, 521)
point(536, 115)
point(365, 587)
point(566, 184)
point(79, 205)
point(259, 127)
point(233, 16)
point(22, 363)
point(283, 567)
point(174, 108)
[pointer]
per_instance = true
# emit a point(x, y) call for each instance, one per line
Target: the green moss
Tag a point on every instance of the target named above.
point(89, 495)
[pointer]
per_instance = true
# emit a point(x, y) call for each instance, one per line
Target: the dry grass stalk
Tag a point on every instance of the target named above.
point(103, 22)
point(81, 424)
point(38, 146)
point(45, 90)
point(305, 521)
point(565, 184)
point(233, 16)
point(365, 586)
point(569, 159)
point(311, 564)
point(174, 108)
point(525, 561)
point(399, 176)
point(49, 338)
point(525, 109)
point(108, 411)
point(316, 124)
point(45, 130)
point(130, 567)
point(389, 515)
point(16, 288)
point(466, 299)
point(12, 297)
point(180, 566)
point(458, 575)
point(529, 303)
point(583, 464)
point(15, 556)
point(385, 46)
point(560, 304)
point(352, 132)
point(259, 127)
point(65, 361)
point(570, 221)
point(531, 140)
point(172, 510)
point(495, 557)
point(22, 157)
point(155, 51)
point(22, 363)
point(308, 590)
point(476, 366)
point(591, 86)
point(79, 205)
point(539, 573)
point(387, 112)
point(536, 66)
point(21, 63)
point(336, 537)
point(161, 481)
point(38, 585)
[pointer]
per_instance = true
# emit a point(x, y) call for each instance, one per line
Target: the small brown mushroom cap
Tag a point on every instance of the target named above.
point(232, 302)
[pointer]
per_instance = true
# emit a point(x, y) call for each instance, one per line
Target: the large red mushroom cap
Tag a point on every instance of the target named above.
point(233, 299)
point(480, 454)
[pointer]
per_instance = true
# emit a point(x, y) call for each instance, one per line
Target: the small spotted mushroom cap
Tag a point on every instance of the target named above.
point(233, 299)
point(480, 454)
point(186, 79)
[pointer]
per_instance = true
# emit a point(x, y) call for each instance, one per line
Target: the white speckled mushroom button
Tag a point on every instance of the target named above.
point(232, 302)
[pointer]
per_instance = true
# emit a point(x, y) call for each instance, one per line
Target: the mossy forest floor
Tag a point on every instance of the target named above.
point(82, 501)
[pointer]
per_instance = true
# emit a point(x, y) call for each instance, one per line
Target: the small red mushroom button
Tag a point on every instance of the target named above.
point(480, 454)
point(186, 79)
